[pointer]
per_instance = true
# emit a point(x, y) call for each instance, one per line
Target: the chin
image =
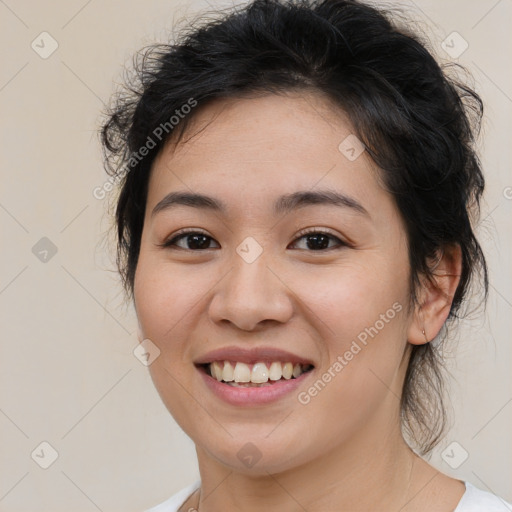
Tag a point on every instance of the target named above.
point(256, 455)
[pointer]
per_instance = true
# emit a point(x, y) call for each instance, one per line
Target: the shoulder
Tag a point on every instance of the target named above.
point(473, 500)
point(176, 500)
point(476, 500)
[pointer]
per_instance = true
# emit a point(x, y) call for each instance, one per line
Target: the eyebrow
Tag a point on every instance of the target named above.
point(283, 204)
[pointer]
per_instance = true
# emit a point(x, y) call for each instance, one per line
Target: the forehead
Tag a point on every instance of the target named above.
point(266, 126)
point(251, 150)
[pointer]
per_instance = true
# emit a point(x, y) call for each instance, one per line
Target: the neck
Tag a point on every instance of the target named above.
point(359, 475)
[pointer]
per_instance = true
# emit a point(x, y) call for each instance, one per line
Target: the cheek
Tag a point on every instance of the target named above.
point(359, 311)
point(353, 298)
point(164, 296)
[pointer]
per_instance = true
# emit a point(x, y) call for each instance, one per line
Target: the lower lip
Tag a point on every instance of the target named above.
point(252, 396)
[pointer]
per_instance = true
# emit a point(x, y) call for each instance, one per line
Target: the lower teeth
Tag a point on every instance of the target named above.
point(254, 384)
point(249, 384)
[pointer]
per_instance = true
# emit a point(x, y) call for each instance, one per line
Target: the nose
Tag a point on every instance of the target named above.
point(251, 296)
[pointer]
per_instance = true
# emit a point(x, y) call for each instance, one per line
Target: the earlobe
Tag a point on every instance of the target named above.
point(436, 296)
point(418, 329)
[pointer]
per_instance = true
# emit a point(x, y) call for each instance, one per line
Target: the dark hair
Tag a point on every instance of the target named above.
point(418, 124)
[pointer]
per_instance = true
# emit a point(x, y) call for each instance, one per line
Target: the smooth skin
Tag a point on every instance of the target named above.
point(343, 451)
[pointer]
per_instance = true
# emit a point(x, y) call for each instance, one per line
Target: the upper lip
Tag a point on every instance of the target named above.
point(251, 355)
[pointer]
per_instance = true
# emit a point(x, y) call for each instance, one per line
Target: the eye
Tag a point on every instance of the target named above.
point(318, 240)
point(193, 240)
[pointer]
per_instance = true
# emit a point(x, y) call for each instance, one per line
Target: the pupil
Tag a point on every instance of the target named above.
point(199, 245)
point(317, 245)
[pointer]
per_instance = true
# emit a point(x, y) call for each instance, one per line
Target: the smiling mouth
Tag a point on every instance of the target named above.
point(260, 374)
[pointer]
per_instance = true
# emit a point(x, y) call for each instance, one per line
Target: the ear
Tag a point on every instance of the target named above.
point(436, 296)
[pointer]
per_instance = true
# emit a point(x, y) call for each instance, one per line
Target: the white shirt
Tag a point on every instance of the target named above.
point(473, 500)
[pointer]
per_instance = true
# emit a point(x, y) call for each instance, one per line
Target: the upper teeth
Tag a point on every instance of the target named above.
point(259, 373)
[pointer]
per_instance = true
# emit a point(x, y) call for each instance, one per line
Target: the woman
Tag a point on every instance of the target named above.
point(294, 227)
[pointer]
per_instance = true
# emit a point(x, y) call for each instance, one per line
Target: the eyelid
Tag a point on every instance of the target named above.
point(185, 231)
point(324, 231)
point(317, 229)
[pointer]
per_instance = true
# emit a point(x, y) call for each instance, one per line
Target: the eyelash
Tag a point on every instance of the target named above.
point(308, 231)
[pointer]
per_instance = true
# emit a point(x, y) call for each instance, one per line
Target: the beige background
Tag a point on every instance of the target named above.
point(68, 374)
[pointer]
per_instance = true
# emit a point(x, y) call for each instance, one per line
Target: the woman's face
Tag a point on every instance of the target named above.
point(253, 289)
